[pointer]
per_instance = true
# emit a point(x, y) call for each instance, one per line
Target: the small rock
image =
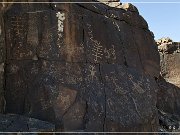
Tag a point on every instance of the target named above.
point(18, 123)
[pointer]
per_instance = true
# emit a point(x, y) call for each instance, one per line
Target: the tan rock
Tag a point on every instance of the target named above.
point(129, 7)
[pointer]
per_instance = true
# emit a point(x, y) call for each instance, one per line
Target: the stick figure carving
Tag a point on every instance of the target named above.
point(92, 74)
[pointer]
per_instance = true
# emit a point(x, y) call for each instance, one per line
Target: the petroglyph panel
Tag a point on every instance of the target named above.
point(102, 49)
point(64, 67)
point(112, 78)
point(62, 43)
point(93, 94)
point(46, 35)
point(50, 41)
point(37, 87)
point(16, 34)
point(129, 90)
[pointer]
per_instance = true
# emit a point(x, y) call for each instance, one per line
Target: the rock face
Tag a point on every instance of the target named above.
point(2, 60)
point(169, 82)
point(170, 65)
point(87, 67)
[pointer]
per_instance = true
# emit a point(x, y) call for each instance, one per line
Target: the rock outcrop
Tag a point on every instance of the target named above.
point(83, 67)
point(170, 65)
point(169, 82)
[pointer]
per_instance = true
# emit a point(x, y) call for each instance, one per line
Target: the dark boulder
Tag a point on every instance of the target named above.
point(83, 67)
point(18, 123)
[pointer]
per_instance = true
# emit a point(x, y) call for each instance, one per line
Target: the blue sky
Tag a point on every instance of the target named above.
point(163, 16)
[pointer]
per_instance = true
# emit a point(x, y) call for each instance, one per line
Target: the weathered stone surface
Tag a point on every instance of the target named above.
point(112, 3)
point(132, 92)
point(169, 84)
point(168, 100)
point(39, 86)
point(169, 122)
point(18, 123)
point(129, 7)
point(37, 34)
point(83, 67)
point(2, 60)
point(170, 57)
point(170, 67)
point(164, 40)
point(73, 120)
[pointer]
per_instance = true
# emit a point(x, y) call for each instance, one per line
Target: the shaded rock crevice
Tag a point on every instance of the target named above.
point(105, 98)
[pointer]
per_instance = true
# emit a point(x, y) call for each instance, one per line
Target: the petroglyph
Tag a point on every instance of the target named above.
point(112, 79)
point(118, 89)
point(97, 51)
point(32, 35)
point(17, 26)
point(135, 105)
point(61, 18)
point(90, 31)
point(110, 53)
point(92, 76)
point(97, 48)
point(14, 68)
point(110, 105)
point(137, 86)
point(1, 67)
point(117, 26)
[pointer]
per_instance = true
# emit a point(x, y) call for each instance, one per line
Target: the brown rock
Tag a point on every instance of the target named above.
point(170, 66)
point(83, 67)
point(129, 7)
point(169, 83)
point(64, 101)
point(168, 97)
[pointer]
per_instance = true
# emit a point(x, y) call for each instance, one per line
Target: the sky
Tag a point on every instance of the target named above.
point(163, 16)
